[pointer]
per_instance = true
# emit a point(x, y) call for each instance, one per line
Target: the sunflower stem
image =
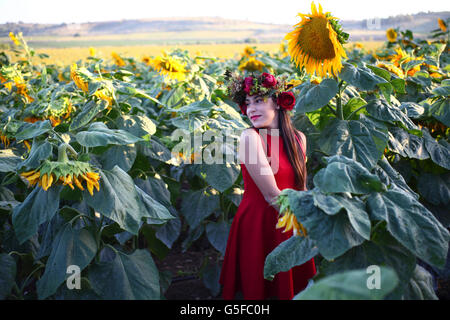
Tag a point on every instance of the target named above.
point(339, 109)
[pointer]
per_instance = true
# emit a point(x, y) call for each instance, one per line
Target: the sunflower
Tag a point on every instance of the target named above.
point(289, 222)
point(14, 39)
point(77, 79)
point(316, 43)
point(252, 64)
point(63, 173)
point(22, 89)
point(169, 66)
point(248, 51)
point(391, 35)
point(442, 25)
point(117, 59)
point(403, 57)
point(104, 94)
point(92, 52)
point(391, 68)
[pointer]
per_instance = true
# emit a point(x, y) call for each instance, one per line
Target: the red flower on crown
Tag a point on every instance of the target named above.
point(286, 100)
point(268, 80)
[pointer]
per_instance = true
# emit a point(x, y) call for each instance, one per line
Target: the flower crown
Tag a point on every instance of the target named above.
point(264, 84)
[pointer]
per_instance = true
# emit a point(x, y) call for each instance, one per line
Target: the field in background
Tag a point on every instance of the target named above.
point(66, 56)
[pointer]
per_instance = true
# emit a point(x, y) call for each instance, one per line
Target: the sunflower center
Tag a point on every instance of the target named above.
point(315, 39)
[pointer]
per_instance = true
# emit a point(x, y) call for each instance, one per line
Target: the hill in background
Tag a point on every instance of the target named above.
point(200, 30)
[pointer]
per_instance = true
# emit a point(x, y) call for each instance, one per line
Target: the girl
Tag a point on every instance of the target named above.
point(254, 232)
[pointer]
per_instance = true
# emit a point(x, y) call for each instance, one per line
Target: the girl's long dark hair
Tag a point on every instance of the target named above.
point(293, 148)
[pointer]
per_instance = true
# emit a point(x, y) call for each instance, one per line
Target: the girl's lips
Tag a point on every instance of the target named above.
point(254, 117)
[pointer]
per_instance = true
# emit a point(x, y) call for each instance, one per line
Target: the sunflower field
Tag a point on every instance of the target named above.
point(91, 175)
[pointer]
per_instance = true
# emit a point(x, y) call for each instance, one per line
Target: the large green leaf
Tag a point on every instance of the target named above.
point(126, 277)
point(217, 233)
point(315, 96)
point(382, 110)
point(156, 213)
point(411, 224)
point(392, 178)
point(198, 205)
point(137, 125)
point(362, 78)
point(119, 200)
point(89, 111)
point(383, 250)
point(346, 175)
point(122, 156)
point(362, 141)
point(435, 188)
point(441, 110)
point(219, 176)
point(355, 208)
point(407, 144)
point(30, 130)
point(350, 285)
point(333, 234)
point(70, 247)
point(439, 151)
point(8, 160)
point(39, 151)
point(420, 287)
point(292, 252)
point(7, 274)
point(99, 134)
point(38, 207)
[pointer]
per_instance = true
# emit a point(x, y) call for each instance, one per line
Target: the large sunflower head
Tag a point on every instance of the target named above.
point(391, 35)
point(169, 66)
point(316, 43)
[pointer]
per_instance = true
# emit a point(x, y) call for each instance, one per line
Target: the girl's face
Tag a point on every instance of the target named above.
point(263, 114)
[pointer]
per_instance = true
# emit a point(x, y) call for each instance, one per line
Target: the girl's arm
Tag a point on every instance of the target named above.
point(251, 154)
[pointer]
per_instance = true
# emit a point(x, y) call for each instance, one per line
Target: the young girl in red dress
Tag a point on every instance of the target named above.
point(272, 156)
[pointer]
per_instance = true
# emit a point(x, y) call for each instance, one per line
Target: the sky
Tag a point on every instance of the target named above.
point(273, 11)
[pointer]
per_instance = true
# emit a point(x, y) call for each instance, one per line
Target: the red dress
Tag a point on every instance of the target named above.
point(253, 235)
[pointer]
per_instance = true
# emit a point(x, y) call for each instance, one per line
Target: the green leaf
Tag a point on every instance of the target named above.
point(411, 224)
point(363, 141)
point(126, 277)
point(38, 207)
point(381, 110)
point(122, 156)
point(392, 178)
point(442, 91)
point(362, 78)
point(119, 200)
point(435, 188)
point(355, 208)
point(99, 134)
point(333, 234)
point(156, 213)
point(439, 151)
point(399, 85)
point(383, 250)
point(210, 277)
point(406, 144)
point(219, 176)
point(386, 89)
point(137, 125)
point(70, 247)
point(89, 111)
point(420, 287)
point(440, 110)
point(350, 285)
point(173, 97)
point(7, 274)
point(315, 96)
point(413, 110)
point(292, 252)
point(380, 72)
point(352, 105)
point(39, 151)
point(30, 130)
point(203, 106)
point(198, 205)
point(346, 175)
point(8, 160)
point(217, 233)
